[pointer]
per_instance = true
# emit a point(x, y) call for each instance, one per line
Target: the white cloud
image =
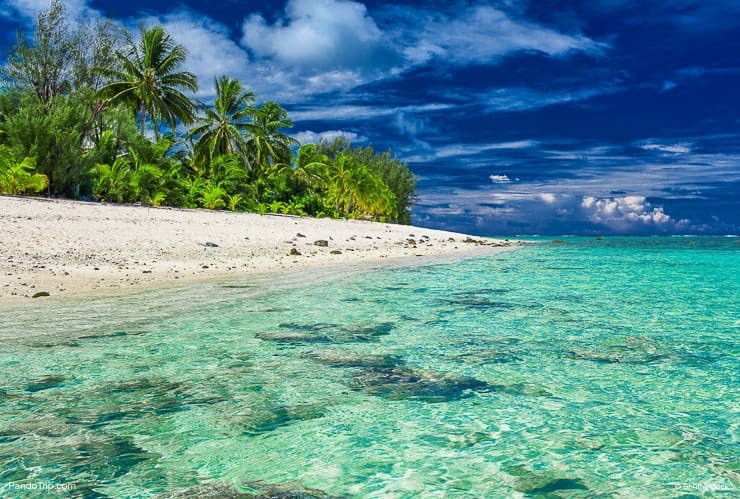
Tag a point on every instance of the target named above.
point(484, 34)
point(522, 98)
point(499, 179)
point(30, 8)
point(409, 124)
point(674, 149)
point(320, 35)
point(460, 150)
point(311, 137)
point(355, 112)
point(623, 213)
point(211, 52)
point(548, 197)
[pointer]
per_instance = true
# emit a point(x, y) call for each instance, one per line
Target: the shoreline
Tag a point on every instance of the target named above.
point(70, 248)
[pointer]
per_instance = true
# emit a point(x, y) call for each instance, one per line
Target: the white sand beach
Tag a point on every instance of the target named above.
point(67, 248)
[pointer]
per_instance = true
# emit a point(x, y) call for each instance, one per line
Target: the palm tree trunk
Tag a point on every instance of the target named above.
point(143, 117)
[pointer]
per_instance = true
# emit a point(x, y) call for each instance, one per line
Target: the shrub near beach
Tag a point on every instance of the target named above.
point(91, 111)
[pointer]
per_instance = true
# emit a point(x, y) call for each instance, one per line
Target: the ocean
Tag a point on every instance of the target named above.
point(582, 368)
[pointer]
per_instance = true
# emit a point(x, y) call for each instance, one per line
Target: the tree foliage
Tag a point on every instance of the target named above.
point(150, 80)
point(81, 97)
point(223, 129)
point(18, 177)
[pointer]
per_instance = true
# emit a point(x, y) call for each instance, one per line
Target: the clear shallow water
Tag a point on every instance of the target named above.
point(590, 368)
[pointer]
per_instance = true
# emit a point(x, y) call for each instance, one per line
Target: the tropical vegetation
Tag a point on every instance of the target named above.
point(91, 111)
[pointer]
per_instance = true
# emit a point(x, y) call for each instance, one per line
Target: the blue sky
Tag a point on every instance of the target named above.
point(541, 117)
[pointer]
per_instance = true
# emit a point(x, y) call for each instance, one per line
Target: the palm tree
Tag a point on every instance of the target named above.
point(150, 81)
point(221, 130)
point(267, 144)
point(311, 167)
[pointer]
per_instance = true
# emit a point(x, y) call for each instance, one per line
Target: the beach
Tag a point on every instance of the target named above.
point(72, 248)
point(404, 381)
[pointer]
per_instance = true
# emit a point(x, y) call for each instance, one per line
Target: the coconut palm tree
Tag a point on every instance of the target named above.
point(311, 167)
point(150, 81)
point(266, 143)
point(221, 130)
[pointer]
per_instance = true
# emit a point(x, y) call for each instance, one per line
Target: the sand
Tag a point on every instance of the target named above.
point(69, 248)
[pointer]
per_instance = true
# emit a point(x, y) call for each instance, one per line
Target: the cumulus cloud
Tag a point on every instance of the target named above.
point(320, 35)
point(624, 213)
point(311, 137)
point(211, 51)
point(29, 8)
point(548, 197)
point(499, 179)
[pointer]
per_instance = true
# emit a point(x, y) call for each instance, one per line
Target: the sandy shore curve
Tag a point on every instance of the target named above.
point(72, 248)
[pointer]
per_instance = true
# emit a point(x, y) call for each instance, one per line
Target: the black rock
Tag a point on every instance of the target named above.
point(400, 383)
point(321, 242)
point(295, 337)
point(291, 490)
point(45, 383)
point(211, 245)
point(277, 417)
point(342, 358)
point(206, 491)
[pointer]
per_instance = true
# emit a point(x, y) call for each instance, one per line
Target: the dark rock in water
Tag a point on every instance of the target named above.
point(136, 398)
point(295, 252)
point(617, 355)
point(543, 485)
point(293, 337)
point(133, 385)
point(479, 293)
point(319, 326)
point(341, 358)
point(477, 303)
point(40, 294)
point(101, 336)
point(321, 242)
point(299, 235)
point(400, 383)
point(541, 482)
point(335, 252)
point(95, 456)
point(524, 389)
point(206, 491)
point(364, 333)
point(269, 420)
point(308, 333)
point(211, 245)
point(288, 490)
point(488, 357)
point(45, 383)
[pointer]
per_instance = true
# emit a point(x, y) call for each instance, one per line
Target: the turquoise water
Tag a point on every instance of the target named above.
point(588, 368)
